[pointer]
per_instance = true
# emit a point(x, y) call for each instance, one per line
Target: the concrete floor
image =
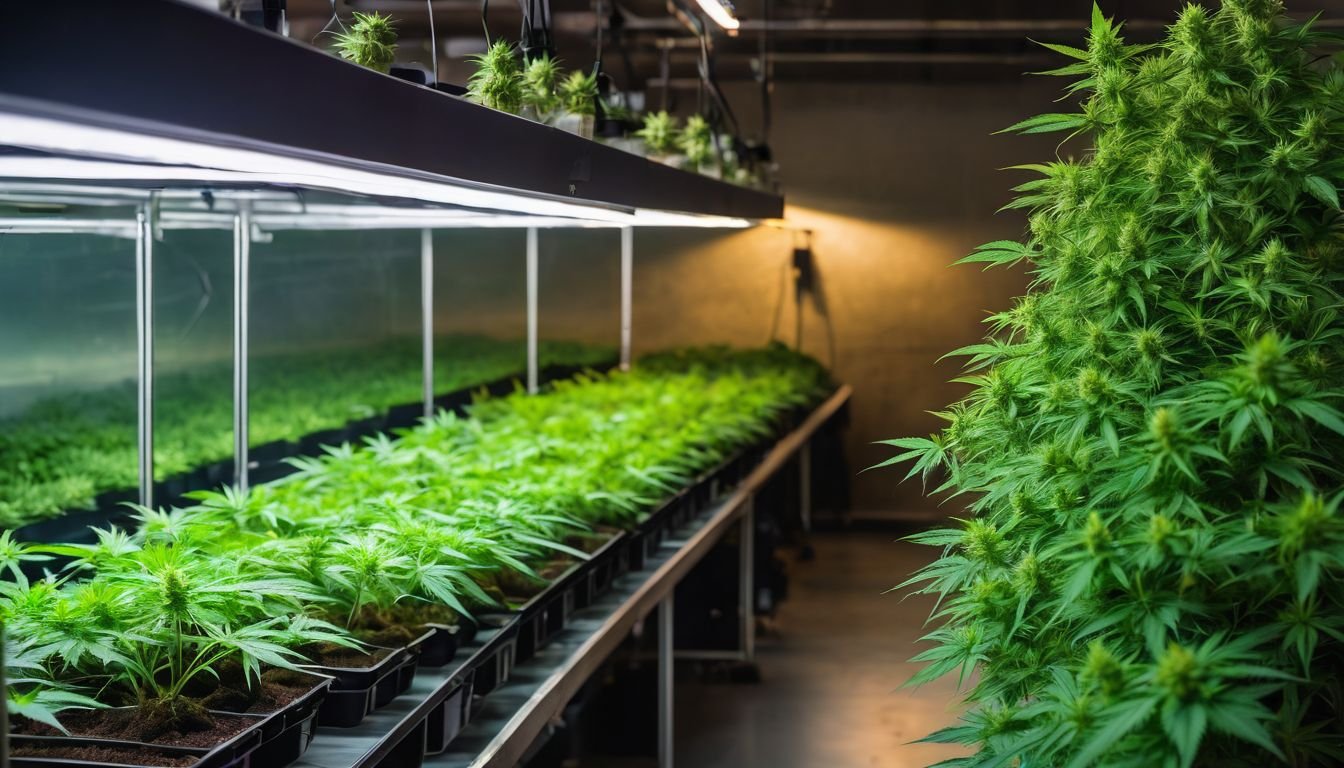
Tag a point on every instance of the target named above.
point(830, 695)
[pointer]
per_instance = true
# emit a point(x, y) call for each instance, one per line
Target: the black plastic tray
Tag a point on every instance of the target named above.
point(236, 751)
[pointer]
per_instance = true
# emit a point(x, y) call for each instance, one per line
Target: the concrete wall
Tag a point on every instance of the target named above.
point(897, 182)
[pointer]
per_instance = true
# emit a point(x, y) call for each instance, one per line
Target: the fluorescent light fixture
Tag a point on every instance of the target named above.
point(175, 160)
point(721, 12)
point(88, 153)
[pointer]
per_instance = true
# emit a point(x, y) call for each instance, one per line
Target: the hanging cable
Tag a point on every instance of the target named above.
point(485, 20)
point(433, 44)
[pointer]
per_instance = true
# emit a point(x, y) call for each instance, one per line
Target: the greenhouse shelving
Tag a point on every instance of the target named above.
point(112, 81)
point(503, 702)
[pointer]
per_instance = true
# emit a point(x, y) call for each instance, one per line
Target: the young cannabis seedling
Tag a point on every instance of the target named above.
point(370, 42)
point(1151, 570)
point(498, 80)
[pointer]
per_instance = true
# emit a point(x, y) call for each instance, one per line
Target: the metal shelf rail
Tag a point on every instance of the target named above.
point(507, 722)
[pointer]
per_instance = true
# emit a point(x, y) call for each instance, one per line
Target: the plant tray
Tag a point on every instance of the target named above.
point(287, 734)
point(357, 691)
point(236, 751)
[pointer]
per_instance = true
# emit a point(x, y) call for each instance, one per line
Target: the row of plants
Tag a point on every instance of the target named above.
point(171, 632)
point(1150, 570)
point(60, 453)
point(537, 89)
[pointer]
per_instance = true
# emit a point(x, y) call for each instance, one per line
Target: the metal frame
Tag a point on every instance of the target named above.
point(533, 372)
point(666, 693)
point(627, 293)
point(427, 319)
point(144, 349)
point(242, 273)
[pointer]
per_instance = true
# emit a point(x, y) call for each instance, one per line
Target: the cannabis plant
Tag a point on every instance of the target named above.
point(697, 141)
point(498, 80)
point(1149, 573)
point(659, 132)
point(578, 93)
point(371, 41)
point(540, 79)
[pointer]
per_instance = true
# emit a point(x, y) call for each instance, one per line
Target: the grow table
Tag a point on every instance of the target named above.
point(497, 730)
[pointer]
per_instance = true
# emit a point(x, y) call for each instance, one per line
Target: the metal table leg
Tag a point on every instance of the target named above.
point(665, 666)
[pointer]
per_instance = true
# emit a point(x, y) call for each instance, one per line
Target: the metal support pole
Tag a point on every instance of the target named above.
point(747, 583)
point(627, 292)
point(4, 705)
point(242, 281)
point(805, 486)
point(665, 668)
point(144, 331)
point(427, 317)
point(532, 372)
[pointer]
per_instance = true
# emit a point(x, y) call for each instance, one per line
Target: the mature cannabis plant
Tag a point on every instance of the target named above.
point(539, 85)
point(1150, 571)
point(578, 92)
point(659, 132)
point(498, 80)
point(697, 141)
point(371, 41)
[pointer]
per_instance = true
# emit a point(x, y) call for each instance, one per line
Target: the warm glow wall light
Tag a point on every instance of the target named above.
point(721, 12)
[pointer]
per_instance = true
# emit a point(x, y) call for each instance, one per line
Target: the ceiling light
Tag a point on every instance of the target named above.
point(721, 11)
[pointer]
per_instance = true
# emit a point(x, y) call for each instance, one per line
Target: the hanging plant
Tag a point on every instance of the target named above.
point(697, 142)
point(498, 80)
point(579, 93)
point(659, 132)
point(370, 42)
point(540, 86)
point(1150, 571)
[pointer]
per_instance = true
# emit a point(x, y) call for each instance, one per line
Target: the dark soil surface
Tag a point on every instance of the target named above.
point(101, 755)
point(326, 655)
point(393, 636)
point(189, 726)
point(278, 688)
point(591, 541)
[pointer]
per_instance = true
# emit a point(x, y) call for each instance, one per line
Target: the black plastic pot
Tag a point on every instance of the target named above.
point(493, 663)
point(236, 751)
point(404, 416)
point(286, 734)
point(440, 646)
point(355, 690)
point(312, 443)
point(449, 717)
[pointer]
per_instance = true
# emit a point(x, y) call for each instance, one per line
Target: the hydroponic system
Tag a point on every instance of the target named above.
point(325, 521)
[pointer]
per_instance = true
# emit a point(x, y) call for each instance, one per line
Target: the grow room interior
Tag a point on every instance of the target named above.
point(631, 383)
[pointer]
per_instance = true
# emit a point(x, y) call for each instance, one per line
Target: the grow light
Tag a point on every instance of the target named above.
point(161, 158)
point(109, 154)
point(721, 12)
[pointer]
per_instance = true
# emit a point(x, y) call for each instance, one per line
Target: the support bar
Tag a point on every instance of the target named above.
point(242, 264)
point(144, 349)
point(627, 292)
point(666, 665)
point(427, 318)
point(747, 580)
point(532, 370)
point(805, 486)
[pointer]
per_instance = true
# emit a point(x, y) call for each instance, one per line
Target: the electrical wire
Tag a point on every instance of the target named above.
point(485, 22)
point(433, 43)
